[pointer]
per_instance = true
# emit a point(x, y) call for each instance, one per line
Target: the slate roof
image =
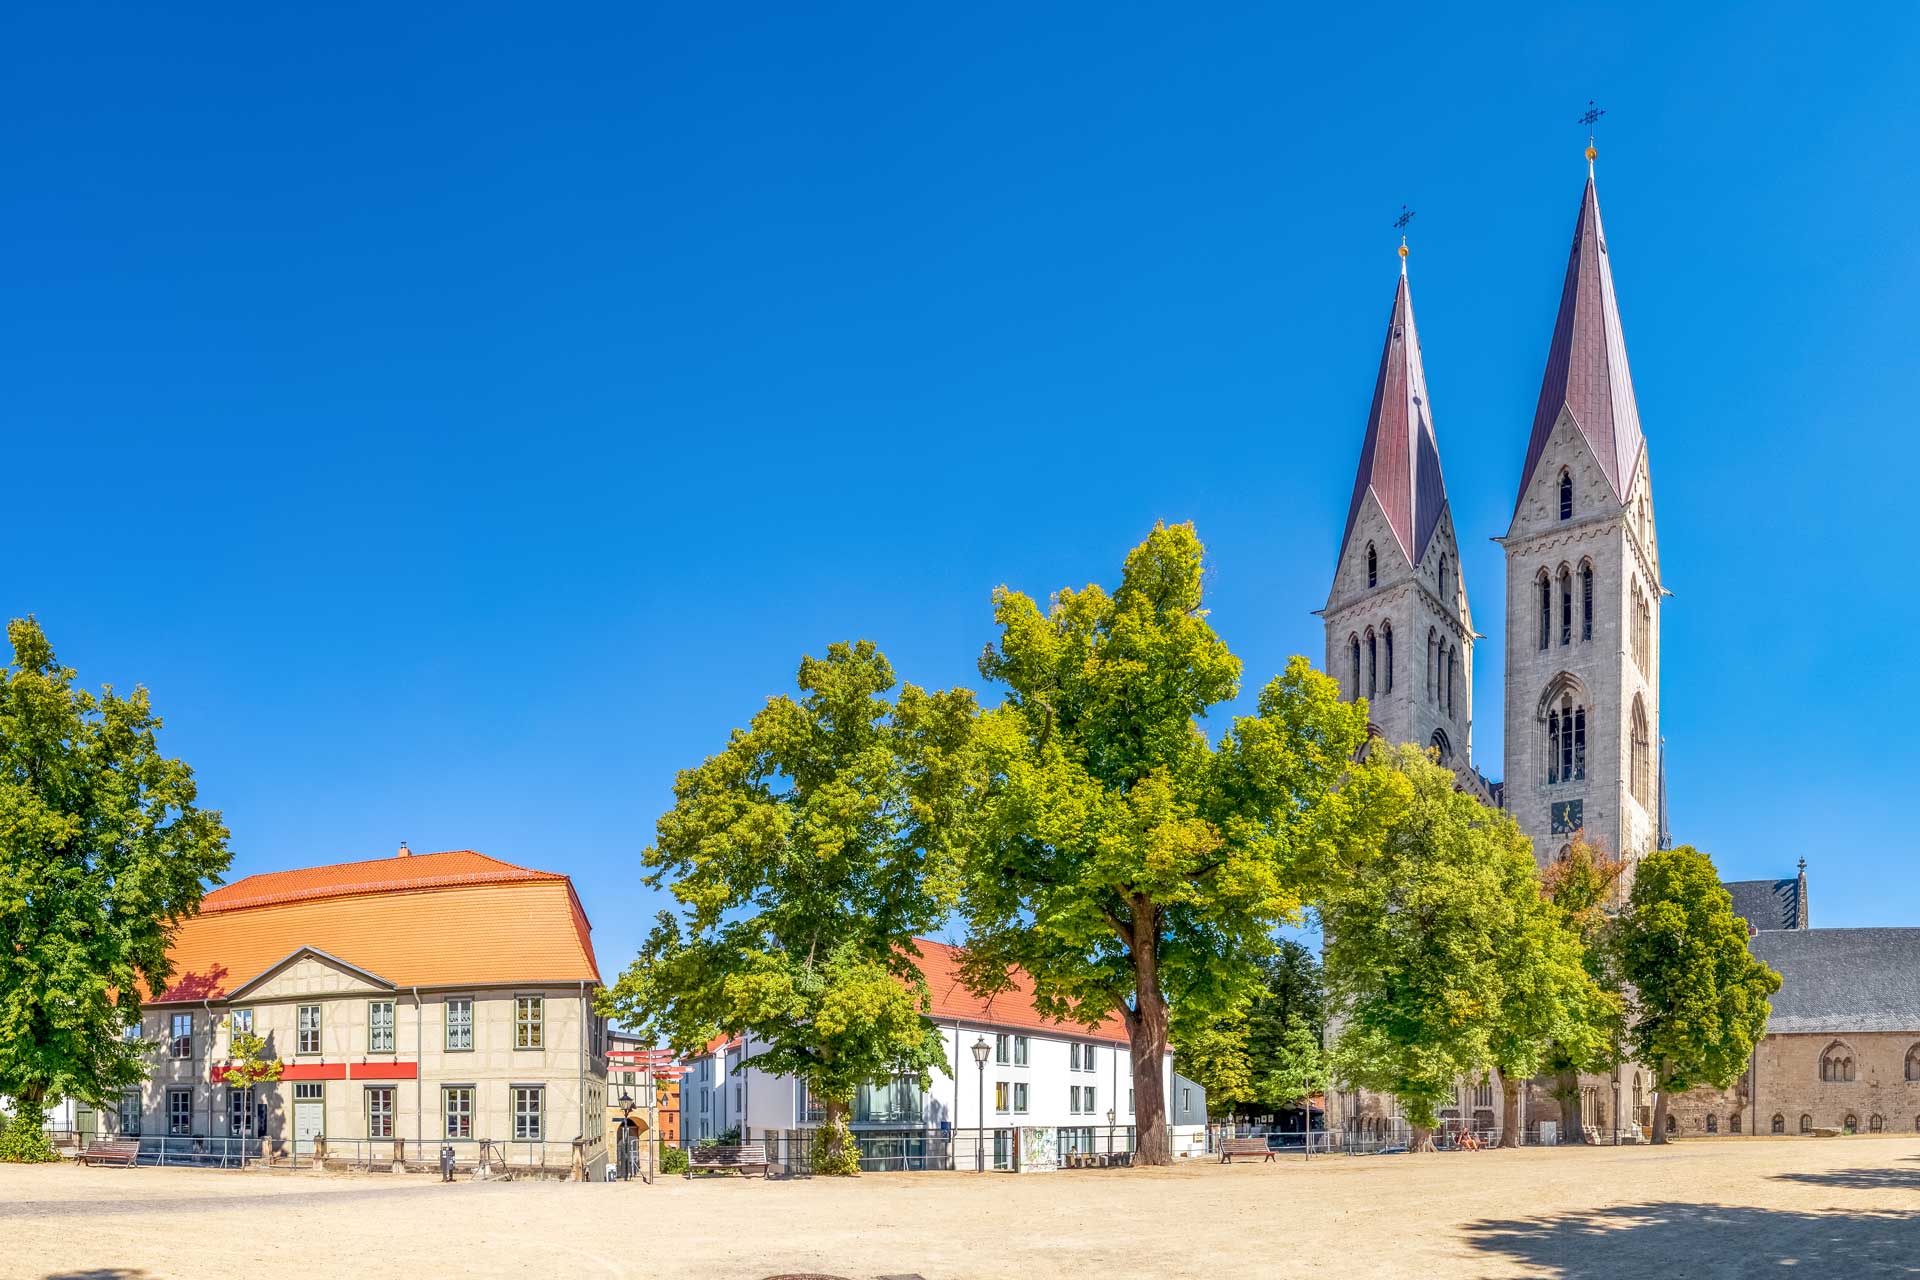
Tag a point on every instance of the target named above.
point(1399, 457)
point(1843, 980)
point(1766, 904)
point(1587, 362)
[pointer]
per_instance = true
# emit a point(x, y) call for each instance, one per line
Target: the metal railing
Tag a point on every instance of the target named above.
point(792, 1153)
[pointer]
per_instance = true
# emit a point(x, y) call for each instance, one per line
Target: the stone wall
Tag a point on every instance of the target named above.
point(1786, 1081)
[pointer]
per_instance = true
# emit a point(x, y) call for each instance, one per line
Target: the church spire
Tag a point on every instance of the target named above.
point(1587, 360)
point(1399, 458)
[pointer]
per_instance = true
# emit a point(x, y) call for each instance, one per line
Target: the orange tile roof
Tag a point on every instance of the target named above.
point(444, 919)
point(952, 1001)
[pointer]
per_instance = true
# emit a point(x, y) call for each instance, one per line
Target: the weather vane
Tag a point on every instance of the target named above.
point(1590, 117)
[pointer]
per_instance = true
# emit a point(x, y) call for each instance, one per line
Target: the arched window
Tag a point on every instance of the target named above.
point(1713, 1124)
point(1373, 664)
point(1586, 601)
point(1433, 660)
point(1836, 1064)
point(1442, 746)
point(1851, 1124)
point(1670, 1124)
point(1733, 1123)
point(1640, 772)
point(1453, 667)
point(1566, 495)
point(1566, 851)
point(1553, 746)
point(1806, 1123)
point(1566, 606)
point(1441, 578)
point(1579, 742)
point(1779, 1123)
point(1373, 567)
point(1546, 607)
point(1353, 646)
point(1386, 635)
point(1876, 1124)
point(1913, 1063)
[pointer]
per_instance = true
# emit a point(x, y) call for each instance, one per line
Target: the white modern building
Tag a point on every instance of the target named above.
point(1038, 1074)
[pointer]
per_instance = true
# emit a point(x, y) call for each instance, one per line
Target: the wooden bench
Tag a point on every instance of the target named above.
point(1231, 1147)
point(121, 1151)
point(745, 1158)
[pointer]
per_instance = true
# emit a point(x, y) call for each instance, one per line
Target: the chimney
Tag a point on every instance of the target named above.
point(404, 851)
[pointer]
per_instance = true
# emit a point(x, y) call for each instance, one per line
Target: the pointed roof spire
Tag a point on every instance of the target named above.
point(1587, 360)
point(1399, 458)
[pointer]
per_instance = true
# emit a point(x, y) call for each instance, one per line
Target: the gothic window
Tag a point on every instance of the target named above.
point(1641, 764)
point(1566, 495)
point(1386, 637)
point(1566, 606)
point(1546, 608)
point(1913, 1063)
point(1442, 746)
point(1442, 578)
point(1733, 1123)
point(1806, 1123)
point(1433, 659)
point(1453, 666)
point(1836, 1064)
point(1353, 647)
point(1586, 601)
point(1851, 1124)
point(1566, 851)
point(1373, 567)
point(1553, 746)
point(1713, 1124)
point(1579, 742)
point(1876, 1124)
point(1779, 1123)
point(1373, 664)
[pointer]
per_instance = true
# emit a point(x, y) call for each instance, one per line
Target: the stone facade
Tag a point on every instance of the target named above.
point(1787, 1092)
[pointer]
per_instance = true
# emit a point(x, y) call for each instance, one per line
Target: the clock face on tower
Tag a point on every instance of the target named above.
point(1568, 816)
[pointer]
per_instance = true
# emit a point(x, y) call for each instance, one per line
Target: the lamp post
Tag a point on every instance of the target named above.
point(1616, 1109)
point(626, 1118)
point(980, 1051)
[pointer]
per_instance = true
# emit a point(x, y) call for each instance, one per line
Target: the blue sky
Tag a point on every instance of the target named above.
point(461, 421)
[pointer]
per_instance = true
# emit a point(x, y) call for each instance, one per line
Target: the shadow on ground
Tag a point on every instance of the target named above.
point(1881, 1179)
point(100, 1273)
point(1679, 1239)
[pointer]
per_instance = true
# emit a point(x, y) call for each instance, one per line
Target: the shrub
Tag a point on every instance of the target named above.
point(24, 1140)
point(673, 1160)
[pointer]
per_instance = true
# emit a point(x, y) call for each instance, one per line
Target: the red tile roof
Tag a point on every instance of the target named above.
point(952, 1001)
point(442, 919)
point(1587, 362)
point(1399, 457)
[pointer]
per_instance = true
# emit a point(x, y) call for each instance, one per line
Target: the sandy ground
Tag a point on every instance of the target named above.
point(1733, 1207)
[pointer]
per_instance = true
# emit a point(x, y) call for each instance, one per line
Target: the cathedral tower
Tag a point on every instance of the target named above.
point(1398, 630)
point(1583, 585)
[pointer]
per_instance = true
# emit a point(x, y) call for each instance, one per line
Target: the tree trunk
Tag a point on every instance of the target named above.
point(842, 1154)
point(1660, 1108)
point(1422, 1139)
point(1566, 1088)
point(1147, 1044)
point(1509, 1111)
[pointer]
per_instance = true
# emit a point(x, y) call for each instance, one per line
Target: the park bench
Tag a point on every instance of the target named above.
point(1231, 1147)
point(745, 1158)
point(120, 1151)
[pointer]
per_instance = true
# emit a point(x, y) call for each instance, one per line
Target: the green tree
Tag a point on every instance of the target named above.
point(805, 858)
point(1268, 1049)
point(102, 851)
point(1117, 854)
point(1417, 934)
point(248, 1063)
point(1700, 996)
point(1584, 889)
point(1550, 1002)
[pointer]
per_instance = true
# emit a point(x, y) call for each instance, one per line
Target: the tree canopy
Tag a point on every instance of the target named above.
point(103, 849)
point(805, 858)
point(1700, 996)
point(1418, 935)
point(1117, 854)
point(1267, 1052)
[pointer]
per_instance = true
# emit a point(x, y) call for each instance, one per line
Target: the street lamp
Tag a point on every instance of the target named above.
point(626, 1119)
point(980, 1051)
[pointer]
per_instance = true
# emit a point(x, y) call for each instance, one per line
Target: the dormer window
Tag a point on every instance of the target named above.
point(1373, 567)
point(1566, 495)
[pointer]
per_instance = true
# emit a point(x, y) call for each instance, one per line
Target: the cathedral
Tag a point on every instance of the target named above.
point(1583, 589)
point(1583, 593)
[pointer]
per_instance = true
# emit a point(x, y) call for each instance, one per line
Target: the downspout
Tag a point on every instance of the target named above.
point(580, 1090)
point(419, 1099)
point(204, 1004)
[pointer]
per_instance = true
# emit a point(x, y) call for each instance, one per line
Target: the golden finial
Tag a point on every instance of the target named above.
point(1403, 248)
point(1591, 153)
point(1406, 216)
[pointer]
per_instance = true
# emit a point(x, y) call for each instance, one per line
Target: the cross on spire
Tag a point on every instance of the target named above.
point(1590, 117)
point(1406, 216)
